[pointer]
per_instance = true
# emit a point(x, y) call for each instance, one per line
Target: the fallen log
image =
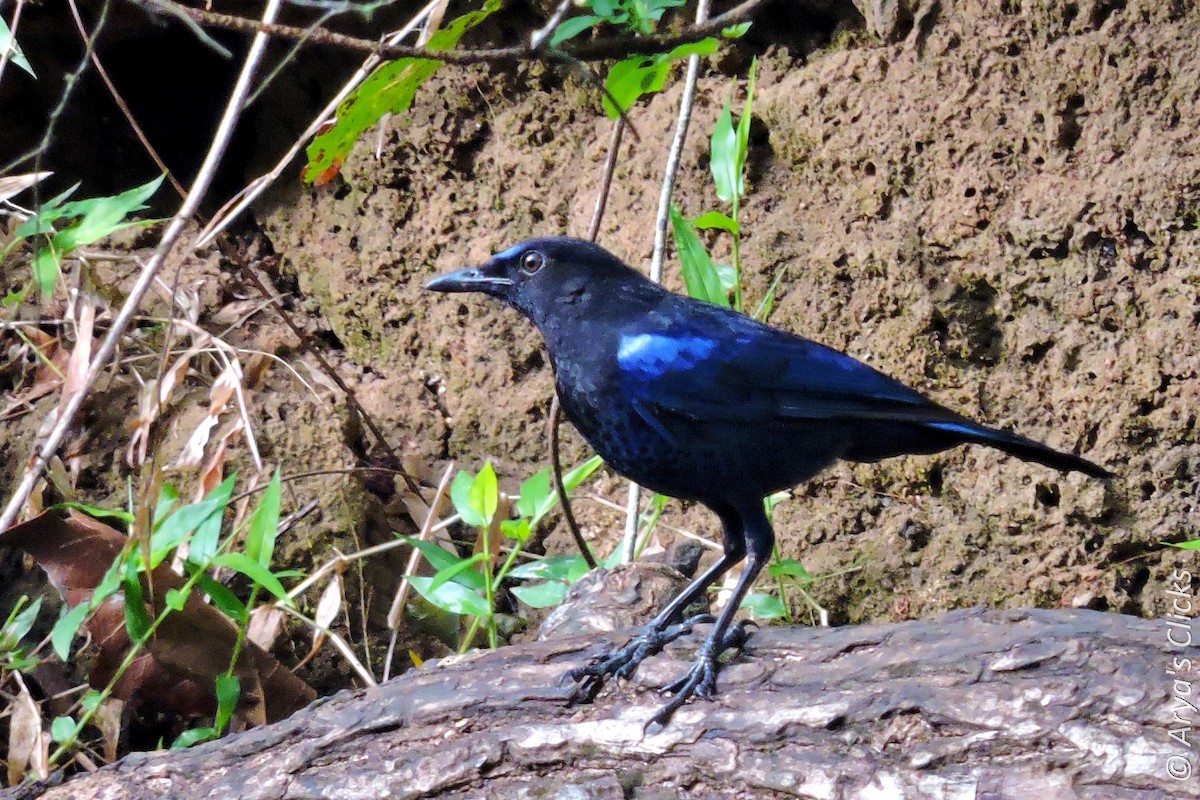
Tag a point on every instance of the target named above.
point(1032, 704)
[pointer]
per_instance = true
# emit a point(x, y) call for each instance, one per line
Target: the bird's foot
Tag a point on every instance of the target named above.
point(701, 680)
point(624, 661)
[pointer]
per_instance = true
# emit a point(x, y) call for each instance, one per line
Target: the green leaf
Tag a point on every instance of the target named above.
point(724, 165)
point(717, 220)
point(632, 78)
point(137, 619)
point(768, 302)
point(176, 599)
point(441, 559)
point(790, 568)
point(62, 729)
point(699, 275)
point(572, 480)
point(517, 529)
point(46, 270)
point(119, 515)
point(225, 600)
point(43, 222)
point(193, 736)
point(534, 492)
point(229, 689)
point(460, 495)
point(91, 700)
point(103, 216)
point(63, 632)
point(743, 128)
point(203, 517)
point(484, 496)
point(572, 27)
point(454, 570)
point(240, 562)
point(1191, 544)
point(452, 597)
point(541, 595)
point(764, 606)
point(19, 623)
point(390, 89)
point(264, 525)
point(9, 43)
point(736, 31)
point(556, 568)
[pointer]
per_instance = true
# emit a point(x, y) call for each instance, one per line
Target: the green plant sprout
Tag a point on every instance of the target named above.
point(198, 525)
point(467, 586)
point(90, 221)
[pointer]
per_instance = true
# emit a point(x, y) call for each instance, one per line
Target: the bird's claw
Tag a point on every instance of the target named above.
point(701, 680)
point(623, 662)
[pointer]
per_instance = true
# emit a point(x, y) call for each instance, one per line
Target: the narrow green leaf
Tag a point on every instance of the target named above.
point(723, 163)
point(137, 619)
point(484, 497)
point(9, 43)
point(19, 622)
point(203, 517)
point(390, 89)
point(192, 737)
point(743, 128)
point(46, 271)
point(736, 31)
point(541, 595)
point(717, 220)
point(572, 27)
point(225, 600)
point(264, 524)
point(557, 568)
point(441, 559)
point(63, 632)
point(102, 216)
point(764, 606)
point(1191, 544)
point(699, 274)
point(452, 597)
point(534, 492)
point(240, 562)
point(453, 571)
point(572, 480)
point(229, 689)
point(768, 302)
point(790, 568)
point(119, 515)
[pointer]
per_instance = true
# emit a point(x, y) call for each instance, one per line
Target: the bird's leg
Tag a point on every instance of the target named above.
point(701, 679)
point(666, 627)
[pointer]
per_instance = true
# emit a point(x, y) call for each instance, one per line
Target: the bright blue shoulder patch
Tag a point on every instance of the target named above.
point(650, 355)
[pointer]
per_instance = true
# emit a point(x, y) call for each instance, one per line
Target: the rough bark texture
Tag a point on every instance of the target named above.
point(977, 703)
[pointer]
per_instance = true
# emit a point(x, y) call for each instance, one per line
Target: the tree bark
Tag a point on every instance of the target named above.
point(1033, 704)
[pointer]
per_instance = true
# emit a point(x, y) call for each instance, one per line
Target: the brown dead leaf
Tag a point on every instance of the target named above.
point(190, 648)
point(28, 744)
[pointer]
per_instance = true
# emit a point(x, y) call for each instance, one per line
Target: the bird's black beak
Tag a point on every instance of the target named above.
point(471, 279)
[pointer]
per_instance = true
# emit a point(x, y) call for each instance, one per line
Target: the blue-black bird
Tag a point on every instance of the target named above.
point(702, 403)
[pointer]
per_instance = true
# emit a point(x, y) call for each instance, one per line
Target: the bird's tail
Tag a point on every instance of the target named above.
point(1022, 448)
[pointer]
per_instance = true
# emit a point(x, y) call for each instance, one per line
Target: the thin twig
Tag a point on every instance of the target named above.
point(414, 558)
point(598, 50)
point(41, 456)
point(629, 540)
point(124, 107)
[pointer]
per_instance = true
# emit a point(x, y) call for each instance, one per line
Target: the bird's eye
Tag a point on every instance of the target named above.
point(532, 261)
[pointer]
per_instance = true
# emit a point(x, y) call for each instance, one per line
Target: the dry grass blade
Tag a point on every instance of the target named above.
point(13, 185)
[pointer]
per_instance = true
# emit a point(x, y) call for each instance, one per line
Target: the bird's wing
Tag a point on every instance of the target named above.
point(728, 367)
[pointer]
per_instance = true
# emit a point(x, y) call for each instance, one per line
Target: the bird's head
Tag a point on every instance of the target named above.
point(537, 276)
